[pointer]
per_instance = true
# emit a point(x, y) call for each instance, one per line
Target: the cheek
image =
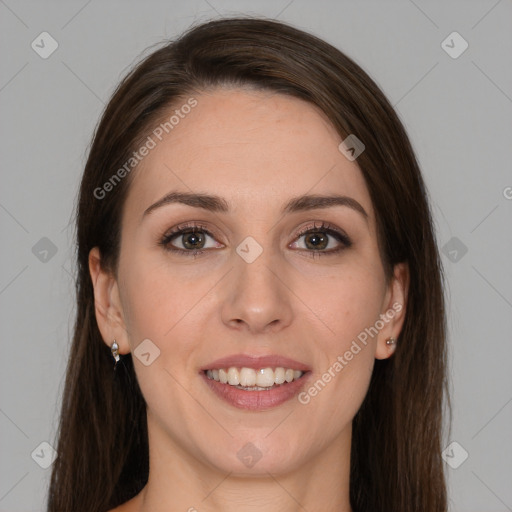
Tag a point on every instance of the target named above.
point(347, 356)
point(348, 350)
point(165, 305)
point(156, 295)
point(349, 302)
point(149, 304)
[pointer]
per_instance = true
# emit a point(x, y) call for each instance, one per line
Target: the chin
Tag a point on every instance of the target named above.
point(258, 457)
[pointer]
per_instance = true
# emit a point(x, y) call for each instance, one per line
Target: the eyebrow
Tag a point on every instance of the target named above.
point(296, 204)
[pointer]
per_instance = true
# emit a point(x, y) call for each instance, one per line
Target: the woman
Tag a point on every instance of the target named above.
point(260, 318)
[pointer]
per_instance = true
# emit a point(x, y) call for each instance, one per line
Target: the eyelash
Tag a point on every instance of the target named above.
point(325, 228)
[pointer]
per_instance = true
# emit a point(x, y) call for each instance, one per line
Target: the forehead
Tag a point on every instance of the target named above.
point(255, 148)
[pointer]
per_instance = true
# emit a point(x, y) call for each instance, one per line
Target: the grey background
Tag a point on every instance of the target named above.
point(458, 115)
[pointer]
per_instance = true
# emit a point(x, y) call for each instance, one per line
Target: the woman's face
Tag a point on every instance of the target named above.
point(259, 287)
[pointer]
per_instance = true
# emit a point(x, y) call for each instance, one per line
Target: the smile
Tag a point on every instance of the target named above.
point(250, 379)
point(255, 390)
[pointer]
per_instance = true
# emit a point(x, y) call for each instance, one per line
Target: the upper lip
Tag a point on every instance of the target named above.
point(256, 362)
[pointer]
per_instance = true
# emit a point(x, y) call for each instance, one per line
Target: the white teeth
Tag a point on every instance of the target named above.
point(255, 379)
point(233, 377)
point(265, 378)
point(279, 375)
point(247, 377)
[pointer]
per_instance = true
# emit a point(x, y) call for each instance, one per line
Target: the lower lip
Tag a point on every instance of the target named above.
point(256, 400)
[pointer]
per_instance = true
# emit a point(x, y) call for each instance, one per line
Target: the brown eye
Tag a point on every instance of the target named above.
point(191, 238)
point(318, 240)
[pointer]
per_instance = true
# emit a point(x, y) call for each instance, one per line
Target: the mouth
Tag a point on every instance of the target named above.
point(255, 389)
point(250, 379)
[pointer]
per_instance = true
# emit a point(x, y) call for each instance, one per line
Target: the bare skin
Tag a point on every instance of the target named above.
point(257, 150)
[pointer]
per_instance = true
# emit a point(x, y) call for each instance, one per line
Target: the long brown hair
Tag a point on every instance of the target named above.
point(397, 439)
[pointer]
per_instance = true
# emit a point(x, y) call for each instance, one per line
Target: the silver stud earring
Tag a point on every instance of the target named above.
point(114, 348)
point(390, 341)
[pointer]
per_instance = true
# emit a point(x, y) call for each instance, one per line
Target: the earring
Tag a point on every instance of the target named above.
point(390, 341)
point(114, 348)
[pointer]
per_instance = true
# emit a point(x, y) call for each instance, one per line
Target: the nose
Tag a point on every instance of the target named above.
point(257, 297)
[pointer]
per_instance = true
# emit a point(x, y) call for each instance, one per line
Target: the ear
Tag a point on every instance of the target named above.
point(107, 304)
point(393, 312)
